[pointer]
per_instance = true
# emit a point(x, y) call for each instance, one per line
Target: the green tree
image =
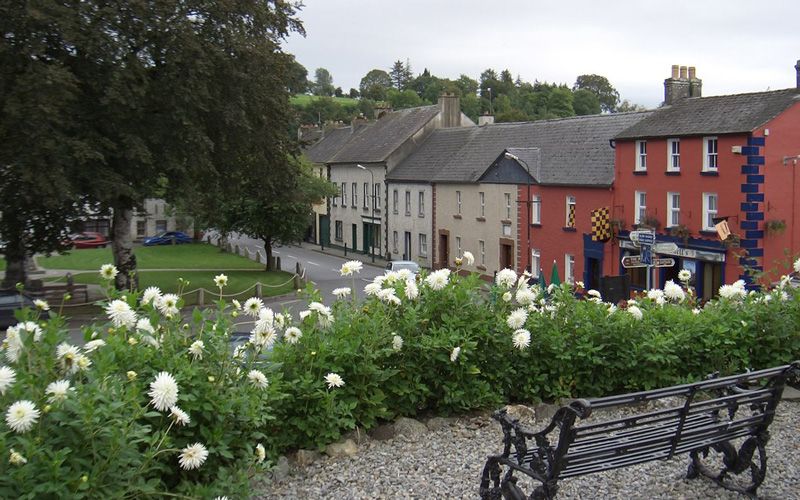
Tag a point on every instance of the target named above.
point(375, 84)
point(626, 105)
point(297, 77)
point(466, 85)
point(401, 75)
point(601, 87)
point(403, 99)
point(323, 83)
point(585, 102)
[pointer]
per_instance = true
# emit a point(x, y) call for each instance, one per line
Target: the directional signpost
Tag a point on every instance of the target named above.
point(646, 241)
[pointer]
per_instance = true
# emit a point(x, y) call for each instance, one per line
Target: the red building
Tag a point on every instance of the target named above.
point(698, 160)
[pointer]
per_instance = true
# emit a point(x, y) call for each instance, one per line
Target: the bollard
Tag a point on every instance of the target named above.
point(345, 249)
point(277, 263)
point(258, 256)
point(258, 289)
point(201, 297)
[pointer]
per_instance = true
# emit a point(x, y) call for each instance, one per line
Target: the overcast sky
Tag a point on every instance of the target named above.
point(737, 46)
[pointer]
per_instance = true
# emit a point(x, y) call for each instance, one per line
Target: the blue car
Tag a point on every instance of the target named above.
point(168, 238)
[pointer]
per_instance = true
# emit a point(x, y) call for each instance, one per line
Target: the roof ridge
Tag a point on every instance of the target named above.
point(788, 90)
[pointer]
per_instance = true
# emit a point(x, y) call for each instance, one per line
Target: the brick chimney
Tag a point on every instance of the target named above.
point(682, 84)
point(485, 119)
point(450, 110)
point(797, 69)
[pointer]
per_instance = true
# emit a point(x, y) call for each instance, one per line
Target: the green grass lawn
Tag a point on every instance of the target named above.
point(305, 100)
point(190, 256)
point(238, 281)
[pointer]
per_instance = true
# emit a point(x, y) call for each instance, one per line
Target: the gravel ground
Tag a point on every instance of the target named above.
point(447, 463)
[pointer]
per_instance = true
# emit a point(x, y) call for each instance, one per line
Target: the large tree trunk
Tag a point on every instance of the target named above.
point(222, 241)
point(122, 247)
point(268, 251)
point(16, 267)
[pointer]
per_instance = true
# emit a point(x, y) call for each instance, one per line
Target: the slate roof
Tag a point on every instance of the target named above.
point(725, 114)
point(375, 143)
point(573, 151)
point(328, 146)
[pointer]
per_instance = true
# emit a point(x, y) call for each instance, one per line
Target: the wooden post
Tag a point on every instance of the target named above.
point(258, 289)
point(201, 297)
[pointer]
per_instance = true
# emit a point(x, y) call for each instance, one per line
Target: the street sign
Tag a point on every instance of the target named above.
point(646, 237)
point(665, 247)
point(646, 255)
point(668, 262)
point(632, 261)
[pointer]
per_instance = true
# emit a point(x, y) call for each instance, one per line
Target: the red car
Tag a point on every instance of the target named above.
point(89, 240)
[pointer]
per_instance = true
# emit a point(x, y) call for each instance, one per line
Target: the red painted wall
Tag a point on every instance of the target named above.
point(550, 237)
point(781, 188)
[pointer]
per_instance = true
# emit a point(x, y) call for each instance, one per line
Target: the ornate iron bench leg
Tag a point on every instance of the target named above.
point(490, 480)
point(734, 462)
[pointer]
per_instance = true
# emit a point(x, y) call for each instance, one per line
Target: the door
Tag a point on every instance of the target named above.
point(407, 246)
point(366, 231)
point(324, 230)
point(355, 237)
point(506, 256)
point(444, 250)
point(592, 276)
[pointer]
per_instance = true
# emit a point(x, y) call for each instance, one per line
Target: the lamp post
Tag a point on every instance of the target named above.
point(371, 236)
point(527, 205)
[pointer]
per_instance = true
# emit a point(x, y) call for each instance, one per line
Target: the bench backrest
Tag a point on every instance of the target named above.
point(694, 417)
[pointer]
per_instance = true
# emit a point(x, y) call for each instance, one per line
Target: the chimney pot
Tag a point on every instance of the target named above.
point(683, 73)
point(797, 68)
point(691, 72)
point(675, 71)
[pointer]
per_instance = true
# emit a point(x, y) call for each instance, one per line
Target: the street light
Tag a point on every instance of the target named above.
point(528, 205)
point(371, 236)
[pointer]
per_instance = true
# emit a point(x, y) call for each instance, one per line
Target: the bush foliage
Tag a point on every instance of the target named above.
point(440, 343)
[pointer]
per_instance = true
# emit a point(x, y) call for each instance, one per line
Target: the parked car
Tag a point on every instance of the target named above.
point(88, 239)
point(168, 238)
point(397, 265)
point(10, 301)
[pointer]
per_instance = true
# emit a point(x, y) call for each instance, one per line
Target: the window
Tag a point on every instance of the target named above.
point(140, 228)
point(536, 209)
point(338, 235)
point(458, 202)
point(482, 250)
point(354, 192)
point(377, 196)
point(508, 205)
point(710, 154)
point(335, 199)
point(161, 226)
point(536, 262)
point(423, 244)
point(394, 240)
point(673, 209)
point(366, 195)
point(641, 156)
point(376, 236)
point(408, 202)
point(709, 210)
point(422, 203)
point(394, 201)
point(569, 268)
point(344, 194)
point(482, 198)
point(673, 155)
point(458, 246)
point(640, 206)
point(570, 212)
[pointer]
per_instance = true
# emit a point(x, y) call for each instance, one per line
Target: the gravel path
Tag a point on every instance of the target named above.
point(447, 463)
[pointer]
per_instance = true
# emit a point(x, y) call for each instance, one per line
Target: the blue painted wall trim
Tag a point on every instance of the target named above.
point(755, 141)
point(745, 224)
point(750, 169)
point(756, 252)
point(751, 197)
point(749, 188)
point(754, 235)
point(748, 207)
point(754, 216)
point(744, 261)
point(755, 179)
point(750, 150)
point(748, 243)
point(755, 160)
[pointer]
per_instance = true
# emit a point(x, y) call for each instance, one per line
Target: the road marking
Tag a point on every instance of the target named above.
point(291, 256)
point(312, 263)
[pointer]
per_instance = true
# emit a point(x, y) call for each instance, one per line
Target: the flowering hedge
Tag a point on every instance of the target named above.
point(154, 402)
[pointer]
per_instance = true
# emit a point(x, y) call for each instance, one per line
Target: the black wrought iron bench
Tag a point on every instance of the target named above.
point(698, 419)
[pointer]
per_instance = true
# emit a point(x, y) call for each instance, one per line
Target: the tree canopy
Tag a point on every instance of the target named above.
point(375, 84)
point(323, 83)
point(602, 88)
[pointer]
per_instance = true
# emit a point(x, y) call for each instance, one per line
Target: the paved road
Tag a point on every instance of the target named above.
point(321, 269)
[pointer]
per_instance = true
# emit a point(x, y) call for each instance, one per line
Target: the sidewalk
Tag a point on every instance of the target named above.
point(337, 252)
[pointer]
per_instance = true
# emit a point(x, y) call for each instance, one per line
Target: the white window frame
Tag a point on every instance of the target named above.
point(536, 262)
point(458, 202)
point(482, 251)
point(569, 268)
point(354, 193)
point(338, 230)
point(344, 194)
point(641, 156)
point(482, 198)
point(710, 154)
point(639, 208)
point(458, 247)
point(570, 201)
point(395, 200)
point(366, 195)
point(673, 209)
point(673, 155)
point(394, 241)
point(408, 202)
point(423, 245)
point(421, 200)
point(536, 209)
point(708, 212)
point(376, 196)
point(507, 197)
